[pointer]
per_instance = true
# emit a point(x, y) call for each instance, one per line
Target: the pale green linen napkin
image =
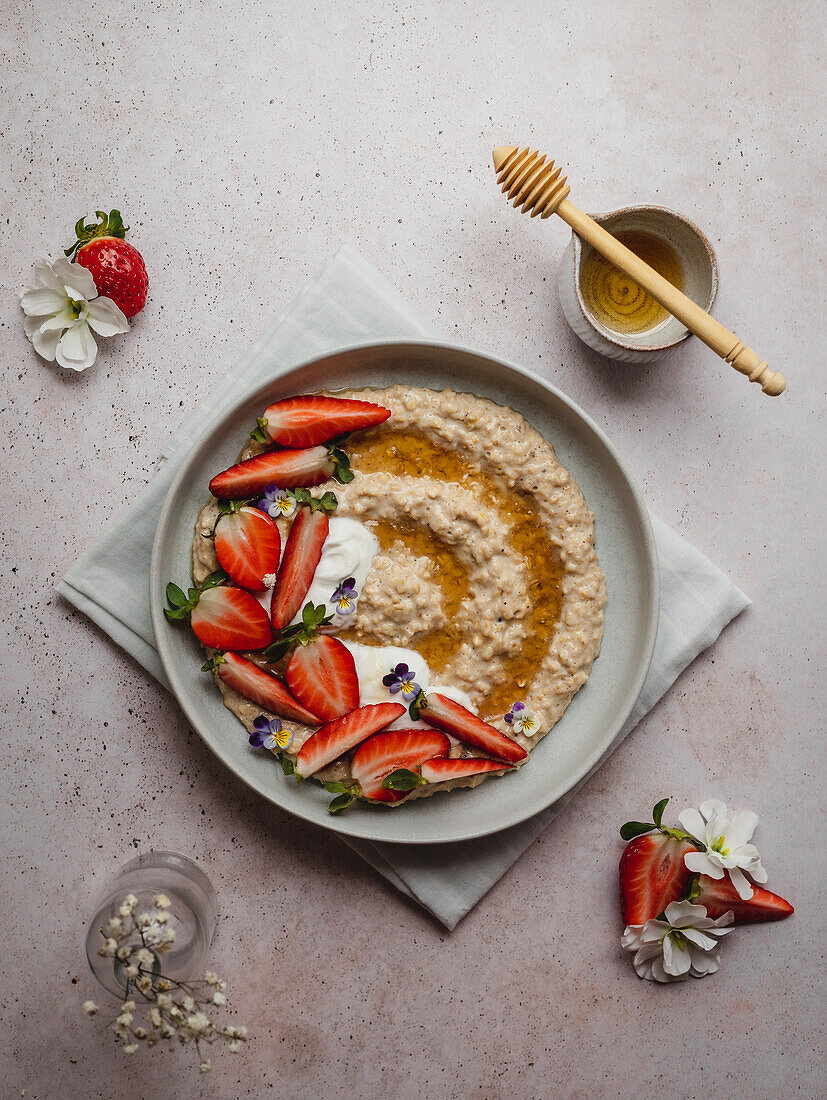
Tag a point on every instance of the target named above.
point(345, 303)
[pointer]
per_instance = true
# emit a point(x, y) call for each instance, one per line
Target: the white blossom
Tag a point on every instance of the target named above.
point(90, 1008)
point(685, 944)
point(62, 311)
point(726, 837)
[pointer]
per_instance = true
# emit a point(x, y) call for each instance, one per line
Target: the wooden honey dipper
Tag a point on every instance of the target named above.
point(537, 186)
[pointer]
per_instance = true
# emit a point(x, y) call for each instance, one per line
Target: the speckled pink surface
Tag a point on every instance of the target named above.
point(243, 142)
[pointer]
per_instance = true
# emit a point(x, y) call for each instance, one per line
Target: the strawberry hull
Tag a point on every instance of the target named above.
point(447, 715)
point(336, 738)
point(262, 688)
point(284, 469)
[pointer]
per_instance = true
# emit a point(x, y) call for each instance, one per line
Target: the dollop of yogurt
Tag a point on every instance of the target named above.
point(375, 662)
point(348, 551)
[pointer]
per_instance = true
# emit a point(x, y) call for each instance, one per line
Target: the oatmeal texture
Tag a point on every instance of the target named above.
point(486, 567)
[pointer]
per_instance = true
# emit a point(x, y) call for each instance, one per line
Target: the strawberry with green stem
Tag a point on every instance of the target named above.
point(321, 672)
point(116, 266)
point(286, 469)
point(221, 615)
point(302, 554)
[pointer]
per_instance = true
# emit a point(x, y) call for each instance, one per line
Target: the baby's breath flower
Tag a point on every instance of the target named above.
point(130, 902)
point(210, 977)
point(128, 1006)
point(218, 998)
point(139, 1032)
point(188, 1004)
point(145, 957)
point(107, 949)
point(114, 926)
point(130, 1048)
point(90, 1008)
point(125, 1019)
point(154, 1016)
point(131, 971)
point(198, 1023)
point(161, 901)
point(144, 920)
point(205, 1066)
point(144, 984)
point(123, 953)
point(234, 1047)
point(163, 1000)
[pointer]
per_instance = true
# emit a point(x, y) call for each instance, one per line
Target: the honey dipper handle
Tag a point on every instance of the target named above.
point(689, 313)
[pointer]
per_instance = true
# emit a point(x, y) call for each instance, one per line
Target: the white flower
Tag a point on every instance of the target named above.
point(131, 971)
point(205, 1066)
point(218, 998)
point(107, 949)
point(62, 309)
point(234, 1047)
point(90, 1008)
point(161, 901)
point(685, 944)
point(269, 580)
point(130, 1048)
point(726, 836)
point(211, 978)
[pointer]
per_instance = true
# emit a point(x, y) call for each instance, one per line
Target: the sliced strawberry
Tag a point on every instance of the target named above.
point(262, 688)
point(302, 553)
point(247, 545)
point(447, 715)
point(441, 769)
point(719, 895)
point(338, 737)
point(284, 469)
point(230, 618)
point(383, 753)
point(652, 874)
point(322, 675)
point(308, 419)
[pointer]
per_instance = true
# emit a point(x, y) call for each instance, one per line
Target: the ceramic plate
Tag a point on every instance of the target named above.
point(625, 547)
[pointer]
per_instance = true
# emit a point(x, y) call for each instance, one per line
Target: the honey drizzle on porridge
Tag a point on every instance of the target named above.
point(411, 454)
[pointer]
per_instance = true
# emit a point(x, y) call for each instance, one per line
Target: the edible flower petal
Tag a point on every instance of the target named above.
point(268, 733)
point(63, 310)
point(277, 502)
point(726, 837)
point(685, 944)
point(345, 596)
point(520, 720)
point(401, 678)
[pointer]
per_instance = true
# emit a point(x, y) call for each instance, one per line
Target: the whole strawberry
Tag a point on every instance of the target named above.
point(116, 266)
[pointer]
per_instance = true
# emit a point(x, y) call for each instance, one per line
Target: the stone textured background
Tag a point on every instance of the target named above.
point(244, 141)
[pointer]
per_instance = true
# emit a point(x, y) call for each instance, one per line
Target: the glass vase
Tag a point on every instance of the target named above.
point(191, 914)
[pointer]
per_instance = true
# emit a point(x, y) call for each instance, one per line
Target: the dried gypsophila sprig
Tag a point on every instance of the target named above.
point(175, 1010)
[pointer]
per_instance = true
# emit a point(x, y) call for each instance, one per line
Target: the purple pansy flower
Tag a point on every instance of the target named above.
point(277, 502)
point(520, 720)
point(401, 678)
point(270, 734)
point(345, 597)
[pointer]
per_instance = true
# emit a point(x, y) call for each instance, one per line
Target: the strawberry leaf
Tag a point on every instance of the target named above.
point(175, 596)
point(341, 802)
point(403, 780)
point(636, 828)
point(108, 225)
point(287, 764)
point(259, 433)
point(419, 703)
point(657, 812)
point(335, 787)
point(212, 663)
